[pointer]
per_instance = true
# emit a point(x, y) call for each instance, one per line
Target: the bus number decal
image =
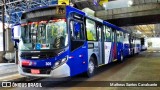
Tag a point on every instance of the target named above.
point(48, 64)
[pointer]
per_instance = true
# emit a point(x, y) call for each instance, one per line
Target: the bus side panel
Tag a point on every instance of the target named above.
point(114, 49)
point(119, 50)
point(112, 52)
point(93, 48)
point(78, 60)
point(107, 47)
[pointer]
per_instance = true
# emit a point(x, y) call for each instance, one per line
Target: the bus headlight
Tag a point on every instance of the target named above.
point(64, 59)
point(59, 62)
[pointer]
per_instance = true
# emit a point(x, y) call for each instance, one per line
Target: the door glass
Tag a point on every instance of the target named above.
point(99, 31)
point(77, 32)
point(113, 38)
point(107, 34)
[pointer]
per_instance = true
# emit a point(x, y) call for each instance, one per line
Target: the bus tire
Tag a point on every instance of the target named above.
point(91, 67)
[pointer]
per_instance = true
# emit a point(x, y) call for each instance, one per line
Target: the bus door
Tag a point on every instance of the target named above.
point(107, 44)
point(101, 44)
point(114, 47)
point(78, 46)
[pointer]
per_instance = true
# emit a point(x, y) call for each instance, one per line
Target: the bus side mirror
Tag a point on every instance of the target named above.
point(16, 33)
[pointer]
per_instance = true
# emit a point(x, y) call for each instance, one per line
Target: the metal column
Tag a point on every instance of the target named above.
point(3, 24)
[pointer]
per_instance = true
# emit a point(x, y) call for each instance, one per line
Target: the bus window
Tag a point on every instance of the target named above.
point(118, 36)
point(91, 30)
point(56, 33)
point(99, 32)
point(24, 33)
point(121, 37)
point(77, 32)
point(107, 34)
point(124, 35)
point(113, 36)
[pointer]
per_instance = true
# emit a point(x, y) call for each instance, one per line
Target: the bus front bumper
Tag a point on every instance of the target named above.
point(61, 71)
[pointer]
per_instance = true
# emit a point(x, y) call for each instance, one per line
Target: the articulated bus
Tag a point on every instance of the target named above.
point(62, 41)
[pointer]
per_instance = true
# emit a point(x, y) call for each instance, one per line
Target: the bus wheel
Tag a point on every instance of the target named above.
point(91, 67)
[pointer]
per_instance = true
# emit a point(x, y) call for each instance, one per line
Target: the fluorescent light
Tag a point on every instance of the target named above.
point(130, 3)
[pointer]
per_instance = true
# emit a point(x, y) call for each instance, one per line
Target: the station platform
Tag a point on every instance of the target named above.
point(9, 72)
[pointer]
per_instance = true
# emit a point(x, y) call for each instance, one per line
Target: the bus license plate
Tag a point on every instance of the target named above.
point(35, 71)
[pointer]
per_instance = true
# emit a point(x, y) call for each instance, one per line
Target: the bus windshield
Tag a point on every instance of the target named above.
point(50, 34)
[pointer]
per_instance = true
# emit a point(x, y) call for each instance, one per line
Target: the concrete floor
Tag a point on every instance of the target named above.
point(142, 67)
point(7, 69)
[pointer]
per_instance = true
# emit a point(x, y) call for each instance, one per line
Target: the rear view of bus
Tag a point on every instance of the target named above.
point(43, 44)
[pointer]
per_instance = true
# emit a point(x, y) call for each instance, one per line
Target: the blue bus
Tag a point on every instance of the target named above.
point(62, 41)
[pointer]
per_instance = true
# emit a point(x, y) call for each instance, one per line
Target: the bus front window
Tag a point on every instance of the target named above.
point(44, 35)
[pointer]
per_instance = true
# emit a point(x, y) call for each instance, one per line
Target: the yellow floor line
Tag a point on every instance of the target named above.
point(114, 60)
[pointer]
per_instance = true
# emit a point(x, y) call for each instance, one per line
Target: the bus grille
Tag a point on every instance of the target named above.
point(39, 56)
point(42, 71)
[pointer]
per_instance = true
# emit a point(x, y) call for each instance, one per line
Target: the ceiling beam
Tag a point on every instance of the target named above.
point(151, 29)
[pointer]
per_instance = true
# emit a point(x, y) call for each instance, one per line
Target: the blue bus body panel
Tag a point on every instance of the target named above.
point(112, 53)
point(119, 50)
point(70, 9)
point(78, 61)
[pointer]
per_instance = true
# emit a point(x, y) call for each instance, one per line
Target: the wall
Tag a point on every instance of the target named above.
point(153, 42)
point(117, 4)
